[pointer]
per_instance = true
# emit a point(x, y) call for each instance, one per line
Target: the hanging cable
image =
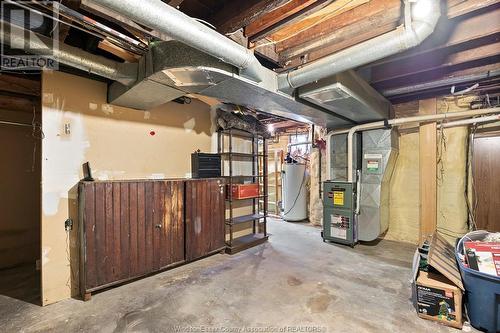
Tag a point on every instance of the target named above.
point(37, 134)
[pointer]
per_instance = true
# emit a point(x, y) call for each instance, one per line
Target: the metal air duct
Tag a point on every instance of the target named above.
point(172, 69)
point(348, 95)
point(164, 18)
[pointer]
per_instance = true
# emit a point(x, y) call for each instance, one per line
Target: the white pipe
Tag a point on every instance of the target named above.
point(471, 121)
point(402, 121)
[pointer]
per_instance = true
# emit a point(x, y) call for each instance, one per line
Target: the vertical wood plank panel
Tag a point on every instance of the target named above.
point(179, 233)
point(116, 232)
point(189, 208)
point(124, 230)
point(167, 212)
point(109, 255)
point(219, 219)
point(428, 169)
point(149, 253)
point(204, 219)
point(133, 221)
point(100, 235)
point(141, 227)
point(207, 216)
point(90, 235)
point(156, 222)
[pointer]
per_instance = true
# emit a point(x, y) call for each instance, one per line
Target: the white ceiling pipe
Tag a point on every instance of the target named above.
point(166, 19)
point(471, 121)
point(402, 121)
point(424, 17)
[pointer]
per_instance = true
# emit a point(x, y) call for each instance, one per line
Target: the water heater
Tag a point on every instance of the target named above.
point(294, 192)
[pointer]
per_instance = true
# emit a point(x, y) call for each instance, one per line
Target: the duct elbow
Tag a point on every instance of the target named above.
point(252, 69)
point(126, 73)
point(425, 16)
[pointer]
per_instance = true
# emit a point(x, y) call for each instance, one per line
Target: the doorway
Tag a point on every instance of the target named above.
point(20, 182)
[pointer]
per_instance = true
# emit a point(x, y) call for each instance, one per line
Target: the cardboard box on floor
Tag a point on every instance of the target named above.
point(438, 296)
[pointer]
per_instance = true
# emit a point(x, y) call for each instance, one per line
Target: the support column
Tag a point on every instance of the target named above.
point(428, 169)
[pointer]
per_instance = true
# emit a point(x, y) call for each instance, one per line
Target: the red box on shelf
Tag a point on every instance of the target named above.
point(244, 191)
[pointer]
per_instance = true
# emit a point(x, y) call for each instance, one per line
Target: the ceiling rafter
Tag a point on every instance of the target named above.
point(240, 13)
point(292, 12)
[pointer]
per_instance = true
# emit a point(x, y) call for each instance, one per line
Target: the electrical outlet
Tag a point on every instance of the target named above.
point(68, 225)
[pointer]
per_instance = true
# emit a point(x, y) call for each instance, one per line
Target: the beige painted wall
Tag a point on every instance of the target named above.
point(19, 192)
point(118, 143)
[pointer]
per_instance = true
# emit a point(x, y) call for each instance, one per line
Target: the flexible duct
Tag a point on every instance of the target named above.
point(371, 50)
point(166, 19)
point(125, 73)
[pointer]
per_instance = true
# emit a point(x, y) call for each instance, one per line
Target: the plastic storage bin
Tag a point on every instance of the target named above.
point(482, 294)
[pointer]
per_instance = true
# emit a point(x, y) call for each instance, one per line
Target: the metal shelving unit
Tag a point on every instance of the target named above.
point(258, 217)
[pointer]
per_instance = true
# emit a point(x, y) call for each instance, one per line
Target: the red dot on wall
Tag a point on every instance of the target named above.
point(152, 133)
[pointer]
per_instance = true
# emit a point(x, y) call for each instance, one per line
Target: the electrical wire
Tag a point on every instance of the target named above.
point(37, 134)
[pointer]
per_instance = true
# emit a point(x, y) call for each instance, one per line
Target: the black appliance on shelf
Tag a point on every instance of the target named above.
point(205, 165)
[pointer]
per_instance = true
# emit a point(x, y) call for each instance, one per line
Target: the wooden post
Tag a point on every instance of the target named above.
point(428, 169)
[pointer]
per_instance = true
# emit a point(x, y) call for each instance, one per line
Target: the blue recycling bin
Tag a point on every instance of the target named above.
point(482, 295)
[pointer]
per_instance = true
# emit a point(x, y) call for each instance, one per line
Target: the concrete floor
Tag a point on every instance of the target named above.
point(294, 281)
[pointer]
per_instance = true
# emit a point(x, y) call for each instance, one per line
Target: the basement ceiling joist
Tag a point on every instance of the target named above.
point(238, 14)
point(344, 36)
point(292, 12)
point(286, 34)
point(354, 26)
point(457, 46)
point(336, 22)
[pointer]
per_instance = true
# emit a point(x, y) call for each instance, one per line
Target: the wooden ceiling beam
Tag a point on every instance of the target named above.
point(460, 35)
point(20, 85)
point(359, 24)
point(342, 38)
point(288, 14)
point(489, 83)
point(371, 8)
point(11, 102)
point(465, 7)
point(450, 33)
point(276, 16)
point(437, 63)
point(240, 13)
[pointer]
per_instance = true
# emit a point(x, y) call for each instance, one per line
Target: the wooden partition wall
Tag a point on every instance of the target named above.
point(130, 229)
